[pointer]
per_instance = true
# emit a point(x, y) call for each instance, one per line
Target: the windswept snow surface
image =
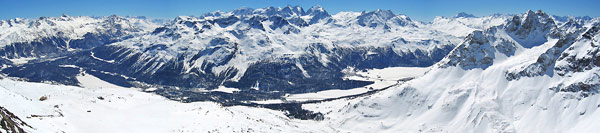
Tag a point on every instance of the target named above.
point(456, 98)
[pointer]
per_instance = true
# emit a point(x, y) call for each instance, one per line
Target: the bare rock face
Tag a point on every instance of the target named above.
point(11, 123)
point(478, 50)
point(568, 50)
point(528, 30)
point(571, 62)
point(475, 52)
point(531, 29)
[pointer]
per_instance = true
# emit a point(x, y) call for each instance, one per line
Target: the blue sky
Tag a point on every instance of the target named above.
point(422, 10)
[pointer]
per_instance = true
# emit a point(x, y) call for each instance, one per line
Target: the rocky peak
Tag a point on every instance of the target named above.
point(593, 31)
point(15, 21)
point(532, 28)
point(318, 13)
point(11, 123)
point(288, 11)
point(530, 21)
point(292, 11)
point(476, 37)
point(563, 19)
point(115, 19)
point(181, 19)
point(242, 11)
point(379, 18)
point(41, 21)
point(65, 17)
point(382, 14)
point(582, 57)
point(212, 14)
point(316, 10)
point(464, 15)
point(476, 51)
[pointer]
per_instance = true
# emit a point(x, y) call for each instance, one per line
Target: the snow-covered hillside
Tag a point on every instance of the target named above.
point(74, 109)
point(482, 96)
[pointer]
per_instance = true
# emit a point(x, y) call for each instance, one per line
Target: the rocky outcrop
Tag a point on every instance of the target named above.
point(11, 123)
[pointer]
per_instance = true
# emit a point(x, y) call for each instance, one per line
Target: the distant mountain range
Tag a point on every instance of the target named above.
point(502, 73)
point(268, 52)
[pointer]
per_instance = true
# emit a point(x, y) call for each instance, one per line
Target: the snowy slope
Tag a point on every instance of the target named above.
point(74, 109)
point(455, 98)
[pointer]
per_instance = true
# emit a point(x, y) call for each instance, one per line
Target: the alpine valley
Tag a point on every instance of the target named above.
point(286, 69)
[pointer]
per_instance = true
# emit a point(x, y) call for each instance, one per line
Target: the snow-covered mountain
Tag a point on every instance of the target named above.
point(530, 72)
point(528, 75)
point(463, 24)
point(270, 52)
point(464, 15)
point(26, 39)
point(266, 53)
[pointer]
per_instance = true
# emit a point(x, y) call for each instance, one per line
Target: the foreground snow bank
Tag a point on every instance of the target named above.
point(75, 109)
point(456, 100)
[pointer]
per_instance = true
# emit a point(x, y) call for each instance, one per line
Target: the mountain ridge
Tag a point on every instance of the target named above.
point(238, 49)
point(529, 72)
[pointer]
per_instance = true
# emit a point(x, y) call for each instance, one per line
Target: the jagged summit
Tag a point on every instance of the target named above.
point(315, 9)
point(242, 11)
point(567, 18)
point(293, 10)
point(318, 13)
point(65, 15)
point(478, 50)
point(532, 28)
point(286, 49)
point(495, 73)
point(464, 15)
point(383, 18)
point(382, 14)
